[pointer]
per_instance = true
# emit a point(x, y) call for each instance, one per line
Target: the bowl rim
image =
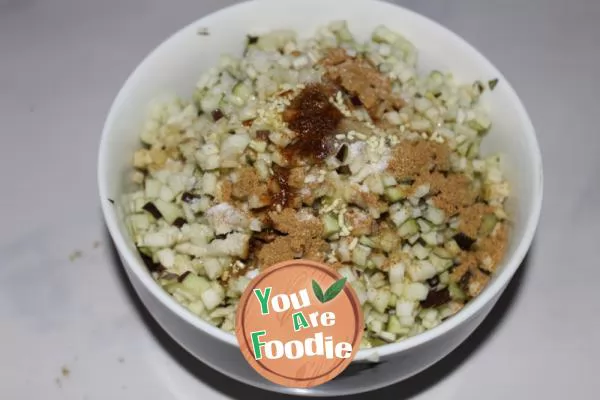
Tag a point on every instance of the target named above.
point(470, 309)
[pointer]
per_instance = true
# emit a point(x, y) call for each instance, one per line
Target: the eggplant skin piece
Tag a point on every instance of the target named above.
point(151, 208)
point(436, 298)
point(463, 241)
point(463, 282)
point(152, 266)
point(188, 197)
point(433, 282)
point(179, 222)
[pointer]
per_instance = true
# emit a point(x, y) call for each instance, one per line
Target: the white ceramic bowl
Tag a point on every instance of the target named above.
point(174, 67)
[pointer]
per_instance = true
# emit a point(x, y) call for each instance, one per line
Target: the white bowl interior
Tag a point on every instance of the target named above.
point(175, 66)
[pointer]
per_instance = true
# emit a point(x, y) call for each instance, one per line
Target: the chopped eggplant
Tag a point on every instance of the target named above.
point(151, 208)
point(152, 266)
point(188, 197)
point(183, 276)
point(436, 298)
point(330, 225)
point(179, 222)
point(488, 223)
point(463, 282)
point(217, 114)
point(255, 168)
point(456, 292)
point(433, 282)
point(342, 153)
point(344, 170)
point(464, 242)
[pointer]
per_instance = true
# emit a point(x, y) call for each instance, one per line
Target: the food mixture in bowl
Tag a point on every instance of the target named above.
point(328, 149)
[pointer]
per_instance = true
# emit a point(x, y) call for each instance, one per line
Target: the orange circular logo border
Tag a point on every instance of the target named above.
point(280, 378)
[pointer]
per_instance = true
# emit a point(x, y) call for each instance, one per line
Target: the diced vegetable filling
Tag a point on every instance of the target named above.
point(330, 149)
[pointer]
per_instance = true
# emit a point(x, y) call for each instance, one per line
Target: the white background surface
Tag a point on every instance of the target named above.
point(61, 64)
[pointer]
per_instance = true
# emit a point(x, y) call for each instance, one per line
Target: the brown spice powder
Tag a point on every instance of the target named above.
point(362, 79)
point(296, 177)
point(411, 158)
point(455, 192)
point(288, 221)
point(470, 218)
point(427, 162)
point(280, 249)
point(303, 239)
point(248, 183)
point(489, 253)
point(334, 57)
point(225, 190)
point(435, 180)
point(493, 246)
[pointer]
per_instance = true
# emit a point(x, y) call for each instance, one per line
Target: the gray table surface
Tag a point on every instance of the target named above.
point(74, 330)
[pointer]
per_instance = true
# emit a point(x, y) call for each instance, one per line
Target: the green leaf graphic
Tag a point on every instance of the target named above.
point(334, 290)
point(317, 291)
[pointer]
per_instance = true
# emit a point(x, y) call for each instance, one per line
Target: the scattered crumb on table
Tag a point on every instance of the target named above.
point(121, 360)
point(96, 244)
point(203, 31)
point(58, 382)
point(75, 255)
point(65, 371)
